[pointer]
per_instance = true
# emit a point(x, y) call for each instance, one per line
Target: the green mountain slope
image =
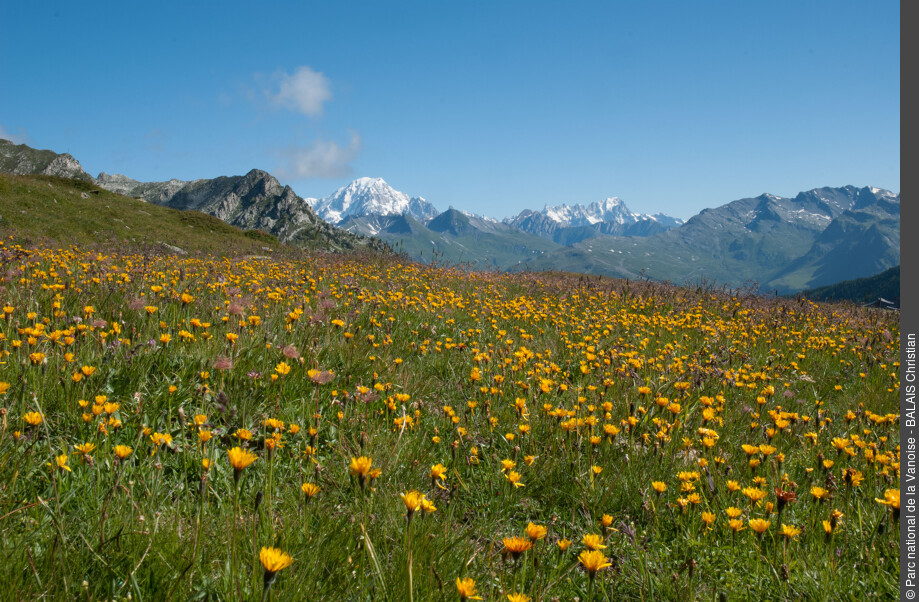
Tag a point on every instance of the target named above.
point(65, 211)
point(861, 242)
point(454, 237)
point(885, 285)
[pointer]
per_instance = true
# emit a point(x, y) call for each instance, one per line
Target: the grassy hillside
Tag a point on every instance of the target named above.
point(45, 208)
point(861, 290)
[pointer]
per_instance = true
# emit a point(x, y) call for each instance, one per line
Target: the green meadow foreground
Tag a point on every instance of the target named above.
point(355, 427)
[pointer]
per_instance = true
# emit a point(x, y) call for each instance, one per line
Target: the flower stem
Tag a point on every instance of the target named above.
point(408, 546)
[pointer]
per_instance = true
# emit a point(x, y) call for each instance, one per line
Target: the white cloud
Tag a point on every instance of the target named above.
point(304, 91)
point(19, 137)
point(321, 159)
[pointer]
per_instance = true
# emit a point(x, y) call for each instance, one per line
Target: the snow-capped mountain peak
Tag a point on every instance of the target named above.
point(611, 209)
point(371, 196)
point(566, 223)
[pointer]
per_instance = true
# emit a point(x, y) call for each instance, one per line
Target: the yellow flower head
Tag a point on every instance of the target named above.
point(310, 489)
point(161, 439)
point(790, 531)
point(820, 493)
point(759, 525)
point(736, 525)
point(853, 477)
point(32, 418)
point(412, 501)
point(122, 451)
point(754, 493)
point(516, 545)
point(593, 561)
point(536, 532)
point(514, 477)
point(466, 589)
point(891, 499)
point(274, 424)
point(241, 458)
point(360, 467)
point(62, 462)
point(593, 541)
point(274, 560)
point(84, 448)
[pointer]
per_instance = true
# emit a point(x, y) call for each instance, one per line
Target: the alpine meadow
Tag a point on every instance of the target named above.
point(308, 425)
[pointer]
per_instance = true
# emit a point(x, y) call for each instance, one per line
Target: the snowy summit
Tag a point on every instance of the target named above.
point(371, 196)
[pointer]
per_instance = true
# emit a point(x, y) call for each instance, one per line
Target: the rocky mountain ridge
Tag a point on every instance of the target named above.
point(255, 201)
point(20, 159)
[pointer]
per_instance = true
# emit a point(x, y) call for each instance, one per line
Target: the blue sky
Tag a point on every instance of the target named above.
point(490, 107)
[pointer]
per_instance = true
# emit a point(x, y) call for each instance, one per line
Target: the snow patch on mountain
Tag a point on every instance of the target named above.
point(484, 218)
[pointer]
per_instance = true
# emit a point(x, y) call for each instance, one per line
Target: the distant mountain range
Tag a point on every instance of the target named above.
point(568, 224)
point(770, 243)
point(413, 225)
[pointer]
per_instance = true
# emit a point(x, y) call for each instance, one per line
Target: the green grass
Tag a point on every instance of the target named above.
point(71, 212)
point(160, 526)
